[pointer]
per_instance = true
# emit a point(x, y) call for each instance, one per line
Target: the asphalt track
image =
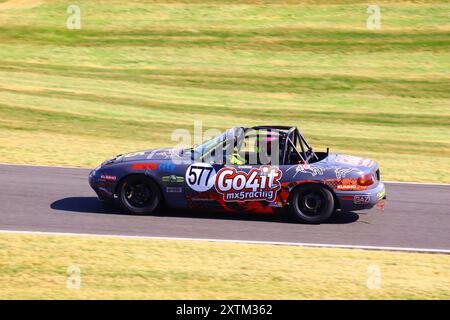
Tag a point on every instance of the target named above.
point(60, 200)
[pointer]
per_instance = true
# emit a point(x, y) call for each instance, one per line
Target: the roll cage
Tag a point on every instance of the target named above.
point(295, 145)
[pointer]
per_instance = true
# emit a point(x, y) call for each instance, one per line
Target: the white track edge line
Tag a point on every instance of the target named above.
point(298, 244)
point(418, 183)
point(86, 168)
point(42, 166)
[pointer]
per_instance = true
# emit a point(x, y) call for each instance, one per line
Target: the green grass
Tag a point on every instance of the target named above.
point(137, 70)
point(35, 267)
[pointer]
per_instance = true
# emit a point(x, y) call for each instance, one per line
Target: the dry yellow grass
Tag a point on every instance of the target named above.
point(35, 267)
point(136, 71)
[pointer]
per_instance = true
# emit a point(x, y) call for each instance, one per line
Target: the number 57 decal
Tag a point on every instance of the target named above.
point(200, 176)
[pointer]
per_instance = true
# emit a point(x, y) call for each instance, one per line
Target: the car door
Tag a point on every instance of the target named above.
point(200, 180)
point(240, 185)
point(248, 185)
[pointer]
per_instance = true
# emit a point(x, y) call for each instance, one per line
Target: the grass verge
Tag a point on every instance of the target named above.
point(136, 71)
point(36, 267)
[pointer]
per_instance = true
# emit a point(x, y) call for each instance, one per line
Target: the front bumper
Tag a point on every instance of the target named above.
point(360, 200)
point(103, 189)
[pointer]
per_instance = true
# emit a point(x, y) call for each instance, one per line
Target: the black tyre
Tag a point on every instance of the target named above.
point(139, 194)
point(311, 204)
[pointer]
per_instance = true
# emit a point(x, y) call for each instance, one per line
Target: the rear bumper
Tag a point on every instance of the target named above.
point(360, 200)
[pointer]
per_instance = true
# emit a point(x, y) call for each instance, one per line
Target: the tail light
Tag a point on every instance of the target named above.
point(366, 180)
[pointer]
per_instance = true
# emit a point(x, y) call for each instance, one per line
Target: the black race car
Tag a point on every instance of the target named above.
point(264, 169)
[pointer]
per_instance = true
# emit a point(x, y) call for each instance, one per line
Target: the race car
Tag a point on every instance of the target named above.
point(266, 169)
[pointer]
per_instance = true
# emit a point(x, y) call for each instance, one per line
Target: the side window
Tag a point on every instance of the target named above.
point(249, 149)
point(249, 144)
point(260, 147)
point(218, 154)
point(293, 157)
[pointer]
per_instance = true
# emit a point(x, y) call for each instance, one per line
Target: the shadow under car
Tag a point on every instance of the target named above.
point(94, 206)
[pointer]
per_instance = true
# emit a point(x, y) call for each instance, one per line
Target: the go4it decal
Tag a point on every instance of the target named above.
point(354, 161)
point(259, 184)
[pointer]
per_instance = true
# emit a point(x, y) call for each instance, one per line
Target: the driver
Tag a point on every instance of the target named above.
point(236, 159)
point(236, 136)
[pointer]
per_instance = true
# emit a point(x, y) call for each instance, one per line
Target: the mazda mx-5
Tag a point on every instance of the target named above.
point(265, 169)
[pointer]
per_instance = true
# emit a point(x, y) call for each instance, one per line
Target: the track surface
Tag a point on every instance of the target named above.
point(60, 200)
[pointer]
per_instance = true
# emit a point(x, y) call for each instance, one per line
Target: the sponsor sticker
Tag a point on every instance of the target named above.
point(163, 154)
point(145, 166)
point(107, 177)
point(174, 189)
point(200, 176)
point(342, 172)
point(259, 184)
point(354, 161)
point(307, 168)
point(169, 166)
point(361, 199)
point(173, 179)
point(346, 187)
point(154, 166)
point(347, 184)
point(245, 167)
point(276, 204)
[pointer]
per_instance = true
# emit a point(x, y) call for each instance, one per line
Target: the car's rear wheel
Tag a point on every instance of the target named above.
point(139, 194)
point(311, 204)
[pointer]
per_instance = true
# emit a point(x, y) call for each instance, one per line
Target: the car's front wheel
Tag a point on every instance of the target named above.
point(311, 203)
point(139, 194)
